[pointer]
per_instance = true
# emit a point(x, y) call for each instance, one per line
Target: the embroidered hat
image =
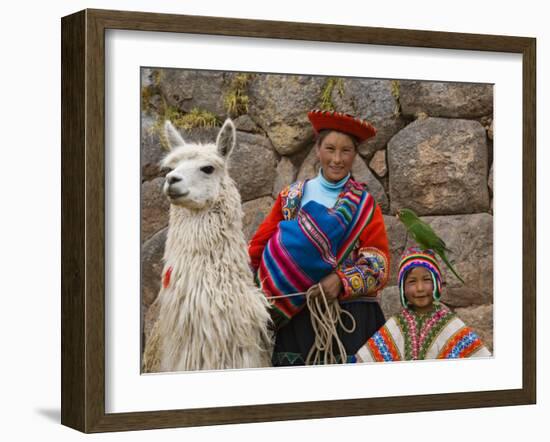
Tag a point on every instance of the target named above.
point(416, 257)
point(321, 120)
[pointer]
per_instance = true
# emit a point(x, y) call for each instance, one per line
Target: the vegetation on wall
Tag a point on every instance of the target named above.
point(236, 100)
point(326, 96)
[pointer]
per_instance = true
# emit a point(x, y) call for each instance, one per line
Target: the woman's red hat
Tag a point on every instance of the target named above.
point(348, 124)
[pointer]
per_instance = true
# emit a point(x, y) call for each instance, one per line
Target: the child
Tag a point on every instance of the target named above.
point(425, 329)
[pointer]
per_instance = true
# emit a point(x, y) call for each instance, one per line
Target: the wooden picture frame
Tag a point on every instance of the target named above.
point(83, 220)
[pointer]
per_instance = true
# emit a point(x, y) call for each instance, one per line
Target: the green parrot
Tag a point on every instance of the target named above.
point(424, 235)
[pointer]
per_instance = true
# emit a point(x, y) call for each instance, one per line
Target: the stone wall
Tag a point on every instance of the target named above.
point(432, 153)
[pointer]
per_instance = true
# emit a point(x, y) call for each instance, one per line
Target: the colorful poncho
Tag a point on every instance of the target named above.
point(409, 336)
point(311, 246)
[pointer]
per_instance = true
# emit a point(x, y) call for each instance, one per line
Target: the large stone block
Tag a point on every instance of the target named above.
point(253, 166)
point(189, 89)
point(246, 124)
point(439, 166)
point(451, 100)
point(374, 101)
point(280, 103)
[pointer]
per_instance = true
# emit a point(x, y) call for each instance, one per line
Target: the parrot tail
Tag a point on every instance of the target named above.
point(446, 261)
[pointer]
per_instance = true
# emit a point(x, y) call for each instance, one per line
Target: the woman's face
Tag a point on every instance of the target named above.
point(419, 288)
point(336, 154)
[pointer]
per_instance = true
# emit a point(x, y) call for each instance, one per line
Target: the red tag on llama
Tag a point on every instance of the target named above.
point(166, 279)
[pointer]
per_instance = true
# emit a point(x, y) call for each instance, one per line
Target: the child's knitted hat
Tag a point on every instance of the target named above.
point(415, 257)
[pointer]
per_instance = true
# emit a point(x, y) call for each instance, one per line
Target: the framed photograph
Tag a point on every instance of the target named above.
point(455, 142)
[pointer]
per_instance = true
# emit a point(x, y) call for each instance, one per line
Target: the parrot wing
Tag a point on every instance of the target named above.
point(426, 237)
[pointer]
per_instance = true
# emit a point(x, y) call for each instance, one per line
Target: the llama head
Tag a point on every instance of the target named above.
point(197, 171)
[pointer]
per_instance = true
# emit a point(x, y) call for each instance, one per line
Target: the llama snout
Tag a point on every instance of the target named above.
point(172, 179)
point(174, 186)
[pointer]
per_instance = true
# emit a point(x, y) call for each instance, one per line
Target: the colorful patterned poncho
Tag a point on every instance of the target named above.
point(309, 247)
point(410, 336)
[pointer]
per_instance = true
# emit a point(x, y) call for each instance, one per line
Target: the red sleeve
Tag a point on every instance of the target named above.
point(370, 270)
point(266, 230)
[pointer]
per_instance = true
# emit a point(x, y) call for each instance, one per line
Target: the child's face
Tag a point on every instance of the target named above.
point(419, 289)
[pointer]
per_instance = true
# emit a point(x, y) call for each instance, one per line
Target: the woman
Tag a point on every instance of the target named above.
point(348, 252)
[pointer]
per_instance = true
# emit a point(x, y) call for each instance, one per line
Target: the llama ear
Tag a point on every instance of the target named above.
point(172, 135)
point(226, 138)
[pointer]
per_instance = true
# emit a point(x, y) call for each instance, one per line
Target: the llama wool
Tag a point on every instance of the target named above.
point(212, 316)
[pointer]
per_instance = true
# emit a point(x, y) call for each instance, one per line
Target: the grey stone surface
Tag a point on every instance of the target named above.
point(280, 103)
point(152, 252)
point(150, 316)
point(150, 148)
point(255, 212)
point(378, 164)
point(390, 302)
point(155, 208)
point(470, 237)
point(252, 165)
point(451, 100)
point(480, 318)
point(202, 135)
point(246, 124)
point(145, 76)
point(397, 239)
point(439, 166)
point(189, 89)
point(373, 100)
point(490, 180)
point(285, 175)
point(362, 173)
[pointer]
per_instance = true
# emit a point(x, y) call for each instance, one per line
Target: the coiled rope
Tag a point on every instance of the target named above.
point(325, 319)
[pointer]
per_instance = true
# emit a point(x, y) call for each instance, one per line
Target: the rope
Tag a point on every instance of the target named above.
point(287, 296)
point(324, 320)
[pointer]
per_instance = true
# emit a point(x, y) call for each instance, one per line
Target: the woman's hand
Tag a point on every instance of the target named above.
point(332, 286)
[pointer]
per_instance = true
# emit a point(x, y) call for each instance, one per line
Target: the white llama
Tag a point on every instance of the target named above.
point(212, 316)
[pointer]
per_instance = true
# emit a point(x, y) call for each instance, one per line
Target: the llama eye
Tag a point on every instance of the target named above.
point(207, 169)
